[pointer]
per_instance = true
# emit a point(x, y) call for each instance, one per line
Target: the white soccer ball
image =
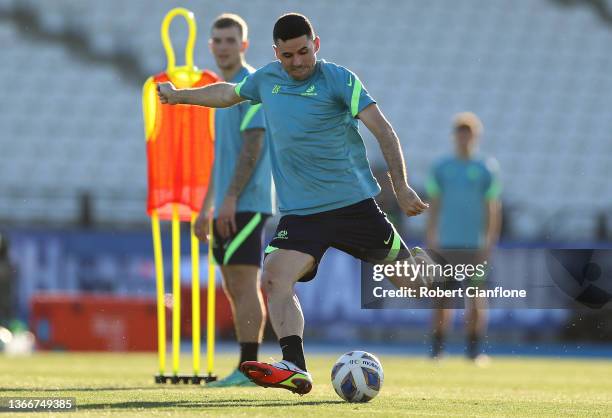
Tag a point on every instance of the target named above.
point(22, 344)
point(357, 376)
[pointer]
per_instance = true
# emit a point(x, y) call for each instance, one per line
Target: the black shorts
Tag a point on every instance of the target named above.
point(244, 247)
point(361, 230)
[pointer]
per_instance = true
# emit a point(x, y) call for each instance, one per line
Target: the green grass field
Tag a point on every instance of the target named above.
point(122, 384)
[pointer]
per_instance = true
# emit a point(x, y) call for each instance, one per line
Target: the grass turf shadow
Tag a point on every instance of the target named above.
point(220, 403)
point(85, 389)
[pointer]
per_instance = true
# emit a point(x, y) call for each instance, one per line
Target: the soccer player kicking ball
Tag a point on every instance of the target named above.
point(240, 194)
point(323, 179)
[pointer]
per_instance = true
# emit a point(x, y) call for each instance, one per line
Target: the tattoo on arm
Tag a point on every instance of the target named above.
point(247, 160)
point(389, 143)
point(392, 151)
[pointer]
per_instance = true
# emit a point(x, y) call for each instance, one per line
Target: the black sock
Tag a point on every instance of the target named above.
point(437, 344)
point(473, 345)
point(248, 352)
point(293, 350)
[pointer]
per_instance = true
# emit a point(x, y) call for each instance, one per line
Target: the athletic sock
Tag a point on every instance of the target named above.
point(293, 350)
point(437, 344)
point(473, 345)
point(248, 352)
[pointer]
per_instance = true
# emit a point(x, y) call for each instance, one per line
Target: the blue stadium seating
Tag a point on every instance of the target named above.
point(538, 75)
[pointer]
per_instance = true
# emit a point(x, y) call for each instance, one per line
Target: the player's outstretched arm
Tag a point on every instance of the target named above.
point(410, 203)
point(213, 95)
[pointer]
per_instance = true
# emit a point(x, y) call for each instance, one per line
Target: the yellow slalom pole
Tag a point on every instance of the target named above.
point(161, 304)
point(210, 311)
point(195, 297)
point(176, 289)
point(165, 29)
point(185, 75)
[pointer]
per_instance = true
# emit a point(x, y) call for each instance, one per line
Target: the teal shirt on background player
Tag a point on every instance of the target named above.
point(229, 124)
point(463, 187)
point(318, 157)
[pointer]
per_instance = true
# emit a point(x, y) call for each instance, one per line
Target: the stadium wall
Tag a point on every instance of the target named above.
point(121, 263)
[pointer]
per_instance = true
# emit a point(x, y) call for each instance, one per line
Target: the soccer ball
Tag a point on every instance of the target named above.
point(357, 376)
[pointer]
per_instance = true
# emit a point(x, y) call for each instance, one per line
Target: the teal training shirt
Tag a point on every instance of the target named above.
point(318, 157)
point(463, 187)
point(230, 123)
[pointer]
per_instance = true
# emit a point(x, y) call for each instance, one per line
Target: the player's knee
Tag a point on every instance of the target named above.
point(273, 284)
point(240, 283)
point(232, 288)
point(267, 283)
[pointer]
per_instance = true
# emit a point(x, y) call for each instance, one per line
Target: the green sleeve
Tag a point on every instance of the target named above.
point(431, 186)
point(494, 190)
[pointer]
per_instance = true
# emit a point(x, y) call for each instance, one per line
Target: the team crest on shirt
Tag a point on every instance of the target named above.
point(310, 91)
point(473, 173)
point(282, 234)
point(276, 89)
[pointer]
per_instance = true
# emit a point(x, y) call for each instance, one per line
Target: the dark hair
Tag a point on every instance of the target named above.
point(227, 20)
point(292, 25)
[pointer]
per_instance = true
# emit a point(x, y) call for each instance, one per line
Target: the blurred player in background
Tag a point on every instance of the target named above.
point(323, 179)
point(465, 217)
point(240, 193)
